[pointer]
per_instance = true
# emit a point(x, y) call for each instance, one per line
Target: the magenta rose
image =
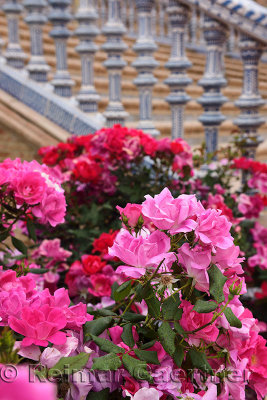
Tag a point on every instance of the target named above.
point(29, 187)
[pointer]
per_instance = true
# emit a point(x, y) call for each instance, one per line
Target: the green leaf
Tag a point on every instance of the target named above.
point(123, 291)
point(150, 357)
point(153, 305)
point(202, 306)
point(179, 329)
point(199, 360)
point(4, 236)
point(127, 335)
point(107, 345)
point(103, 395)
point(38, 271)
point(102, 312)
point(19, 245)
point(136, 368)
point(114, 287)
point(69, 365)
point(148, 344)
point(132, 317)
point(217, 281)
point(231, 318)
point(31, 230)
point(96, 327)
point(167, 338)
point(178, 355)
point(170, 307)
point(110, 362)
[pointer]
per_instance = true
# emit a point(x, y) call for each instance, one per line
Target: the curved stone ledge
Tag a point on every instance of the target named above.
point(46, 103)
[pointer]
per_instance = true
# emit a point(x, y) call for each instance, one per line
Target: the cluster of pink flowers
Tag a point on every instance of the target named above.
point(36, 186)
point(37, 315)
point(165, 220)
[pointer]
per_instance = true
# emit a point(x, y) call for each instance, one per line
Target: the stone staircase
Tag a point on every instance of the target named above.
point(161, 111)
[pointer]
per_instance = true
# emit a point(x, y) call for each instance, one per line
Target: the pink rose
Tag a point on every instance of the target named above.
point(52, 208)
point(196, 261)
point(132, 212)
point(250, 206)
point(140, 253)
point(40, 326)
point(214, 229)
point(175, 215)
point(29, 187)
point(192, 320)
point(101, 285)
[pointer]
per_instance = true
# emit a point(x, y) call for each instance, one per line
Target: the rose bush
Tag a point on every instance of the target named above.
point(138, 290)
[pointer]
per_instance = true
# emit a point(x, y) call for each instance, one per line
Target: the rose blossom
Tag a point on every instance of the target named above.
point(214, 228)
point(29, 187)
point(140, 253)
point(192, 320)
point(171, 214)
point(92, 264)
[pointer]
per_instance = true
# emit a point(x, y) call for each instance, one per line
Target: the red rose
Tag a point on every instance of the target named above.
point(104, 241)
point(92, 264)
point(87, 171)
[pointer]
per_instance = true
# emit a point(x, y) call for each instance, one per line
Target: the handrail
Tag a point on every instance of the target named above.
point(246, 16)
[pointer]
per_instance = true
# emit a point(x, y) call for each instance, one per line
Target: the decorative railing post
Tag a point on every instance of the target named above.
point(59, 17)
point(212, 82)
point(86, 32)
point(37, 66)
point(250, 100)
point(114, 46)
point(14, 55)
point(145, 63)
point(177, 64)
point(193, 27)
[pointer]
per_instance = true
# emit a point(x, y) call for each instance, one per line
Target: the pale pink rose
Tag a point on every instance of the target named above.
point(52, 208)
point(192, 320)
point(52, 249)
point(132, 212)
point(40, 326)
point(51, 355)
point(141, 252)
point(195, 262)
point(32, 352)
point(29, 187)
point(229, 260)
point(21, 388)
point(214, 229)
point(146, 394)
point(175, 215)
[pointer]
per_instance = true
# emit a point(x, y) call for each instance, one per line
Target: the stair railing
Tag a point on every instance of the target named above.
point(210, 26)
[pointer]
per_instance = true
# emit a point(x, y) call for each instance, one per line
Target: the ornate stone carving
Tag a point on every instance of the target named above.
point(86, 32)
point(177, 64)
point(250, 100)
point(14, 55)
point(37, 66)
point(144, 64)
point(212, 82)
point(114, 46)
point(59, 17)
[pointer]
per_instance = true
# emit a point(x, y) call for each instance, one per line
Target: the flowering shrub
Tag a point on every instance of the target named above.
point(113, 166)
point(132, 295)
